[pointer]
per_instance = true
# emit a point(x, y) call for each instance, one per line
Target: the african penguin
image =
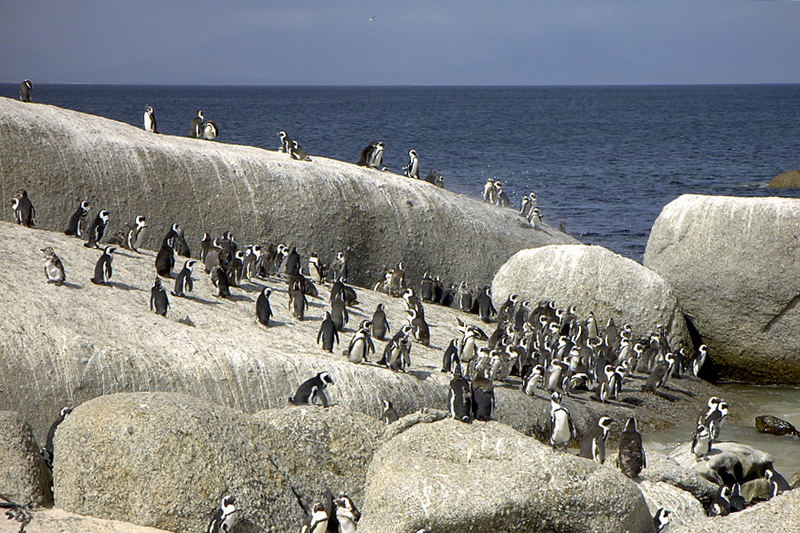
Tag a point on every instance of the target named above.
point(720, 503)
point(24, 212)
point(297, 300)
point(346, 514)
point(53, 267)
point(220, 280)
point(450, 356)
point(483, 400)
point(210, 130)
point(318, 521)
point(102, 269)
point(661, 520)
point(360, 345)
point(98, 229)
point(225, 517)
point(699, 360)
point(338, 312)
point(304, 391)
point(328, 333)
point(701, 441)
point(183, 281)
point(421, 329)
point(165, 259)
point(379, 324)
point(150, 119)
point(48, 451)
point(632, 457)
point(561, 421)
point(263, 309)
point(77, 222)
point(460, 397)
point(488, 191)
point(388, 414)
point(134, 232)
point(286, 142)
point(297, 152)
point(159, 302)
point(412, 170)
point(25, 90)
point(483, 307)
point(196, 129)
point(593, 445)
point(315, 269)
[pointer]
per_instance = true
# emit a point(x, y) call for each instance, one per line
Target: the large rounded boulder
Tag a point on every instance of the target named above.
point(450, 476)
point(593, 278)
point(62, 157)
point(786, 180)
point(733, 264)
point(165, 460)
point(24, 477)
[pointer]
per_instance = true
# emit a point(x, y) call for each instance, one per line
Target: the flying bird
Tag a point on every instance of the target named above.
point(372, 19)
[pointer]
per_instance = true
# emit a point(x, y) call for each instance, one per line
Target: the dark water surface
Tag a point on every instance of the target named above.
point(604, 160)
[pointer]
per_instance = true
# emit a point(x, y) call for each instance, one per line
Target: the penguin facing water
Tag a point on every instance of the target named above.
point(196, 129)
point(412, 170)
point(25, 90)
point(150, 120)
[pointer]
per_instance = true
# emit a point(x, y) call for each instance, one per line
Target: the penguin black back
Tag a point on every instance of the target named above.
point(159, 301)
point(263, 309)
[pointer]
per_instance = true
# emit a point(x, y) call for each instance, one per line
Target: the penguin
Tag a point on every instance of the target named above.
point(183, 281)
point(165, 260)
point(412, 170)
point(412, 302)
point(24, 212)
point(297, 152)
point(25, 90)
point(220, 280)
point(500, 197)
point(304, 391)
point(714, 419)
point(426, 288)
point(205, 246)
point(632, 457)
point(738, 503)
point(134, 232)
point(379, 325)
point(150, 120)
point(397, 353)
point(460, 397)
point(774, 477)
point(661, 520)
point(318, 521)
point(482, 306)
point(196, 129)
point(210, 131)
point(251, 262)
point(346, 514)
point(488, 191)
point(464, 297)
point(48, 451)
point(315, 269)
point(159, 302)
point(534, 379)
point(360, 345)
point(181, 247)
point(225, 517)
point(535, 218)
point(376, 156)
point(720, 503)
point(338, 268)
point(286, 142)
point(388, 414)
point(593, 445)
point(699, 360)
point(422, 332)
point(328, 333)
point(297, 300)
point(338, 312)
point(235, 267)
point(263, 309)
point(701, 442)
point(482, 398)
point(53, 267)
point(366, 154)
point(77, 222)
point(561, 422)
point(102, 269)
point(293, 263)
point(450, 357)
point(98, 229)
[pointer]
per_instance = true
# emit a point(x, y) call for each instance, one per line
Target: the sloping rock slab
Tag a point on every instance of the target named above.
point(685, 508)
point(24, 477)
point(733, 265)
point(727, 461)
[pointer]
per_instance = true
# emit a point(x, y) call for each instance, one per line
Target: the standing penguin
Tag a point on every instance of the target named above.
point(366, 154)
point(460, 397)
point(297, 152)
point(360, 345)
point(165, 260)
point(150, 119)
point(701, 441)
point(328, 333)
point(297, 300)
point(196, 129)
point(286, 142)
point(315, 269)
point(632, 457)
point(304, 392)
point(593, 445)
point(293, 263)
point(134, 232)
point(77, 222)
point(412, 170)
point(25, 90)
point(98, 229)
point(318, 521)
point(561, 421)
point(210, 131)
point(482, 398)
point(339, 312)
point(482, 306)
point(24, 212)
point(263, 309)
point(53, 267)
point(102, 269)
point(388, 414)
point(376, 156)
point(422, 332)
point(159, 302)
point(379, 324)
point(225, 517)
point(220, 280)
point(183, 281)
point(450, 358)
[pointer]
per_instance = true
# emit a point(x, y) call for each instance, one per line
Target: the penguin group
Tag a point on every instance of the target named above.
point(338, 514)
point(493, 193)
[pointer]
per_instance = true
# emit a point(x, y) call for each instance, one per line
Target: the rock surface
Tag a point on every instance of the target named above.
point(84, 341)
point(165, 460)
point(62, 157)
point(779, 515)
point(686, 510)
point(24, 477)
point(663, 469)
point(727, 462)
point(733, 265)
point(322, 449)
point(594, 279)
point(450, 476)
point(775, 426)
point(786, 180)
point(60, 521)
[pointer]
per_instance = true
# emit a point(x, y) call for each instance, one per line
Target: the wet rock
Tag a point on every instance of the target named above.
point(24, 477)
point(661, 468)
point(685, 508)
point(732, 265)
point(165, 460)
point(594, 279)
point(452, 476)
point(786, 180)
point(775, 426)
point(728, 462)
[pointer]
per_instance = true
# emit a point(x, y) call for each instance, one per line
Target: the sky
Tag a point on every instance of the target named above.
point(409, 42)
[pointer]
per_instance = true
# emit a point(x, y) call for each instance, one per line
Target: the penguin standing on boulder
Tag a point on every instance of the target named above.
point(150, 119)
point(379, 324)
point(561, 421)
point(388, 413)
point(632, 457)
point(210, 131)
point(165, 260)
point(593, 445)
point(98, 229)
point(77, 222)
point(103, 269)
point(482, 306)
point(196, 130)
point(460, 397)
point(53, 267)
point(412, 170)
point(263, 309)
point(24, 212)
point(159, 302)
point(220, 280)
point(48, 451)
point(183, 281)
point(328, 333)
point(315, 385)
point(25, 90)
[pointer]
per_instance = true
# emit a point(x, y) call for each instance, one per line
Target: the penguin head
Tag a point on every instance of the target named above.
point(200, 114)
point(104, 215)
point(713, 402)
point(48, 252)
point(703, 350)
point(149, 110)
point(267, 291)
point(662, 518)
point(189, 264)
point(407, 330)
point(15, 203)
point(157, 283)
point(110, 250)
point(701, 431)
point(64, 412)
point(85, 205)
point(605, 423)
point(555, 397)
point(28, 84)
point(412, 153)
point(141, 221)
point(228, 504)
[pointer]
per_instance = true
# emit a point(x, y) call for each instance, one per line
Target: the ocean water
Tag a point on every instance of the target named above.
point(602, 160)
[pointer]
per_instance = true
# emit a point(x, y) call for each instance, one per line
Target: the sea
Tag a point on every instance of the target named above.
point(602, 160)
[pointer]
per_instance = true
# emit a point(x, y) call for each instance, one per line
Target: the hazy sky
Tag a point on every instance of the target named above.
point(464, 42)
